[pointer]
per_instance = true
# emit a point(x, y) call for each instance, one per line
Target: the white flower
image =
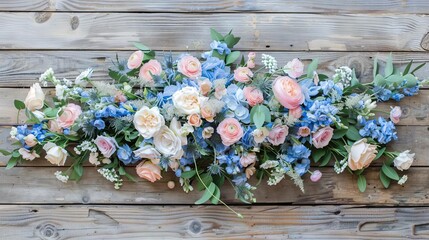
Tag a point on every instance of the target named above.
point(361, 154)
point(39, 115)
point(187, 101)
point(81, 79)
point(269, 164)
point(147, 152)
point(404, 160)
point(13, 132)
point(48, 75)
point(61, 177)
point(269, 62)
point(60, 91)
point(168, 143)
point(148, 121)
point(93, 158)
point(403, 180)
point(260, 134)
point(35, 98)
point(56, 155)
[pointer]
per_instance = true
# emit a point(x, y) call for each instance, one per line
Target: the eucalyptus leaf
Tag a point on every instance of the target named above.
point(312, 67)
point(141, 46)
point(19, 104)
point(232, 57)
point(380, 153)
point(208, 193)
point(384, 180)
point(215, 35)
point(361, 182)
point(388, 70)
point(216, 195)
point(317, 154)
point(390, 172)
point(353, 134)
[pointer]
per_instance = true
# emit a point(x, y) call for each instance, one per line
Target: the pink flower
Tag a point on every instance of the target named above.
point(322, 137)
point(30, 140)
point(119, 97)
point(247, 159)
point(149, 171)
point(316, 176)
point(294, 68)
point(251, 60)
point(135, 60)
point(195, 120)
point(150, 69)
point(205, 87)
point(304, 131)
point(230, 131)
point(243, 74)
point(296, 112)
point(395, 114)
point(189, 66)
point(70, 114)
point(278, 134)
point(54, 127)
point(288, 92)
point(27, 155)
point(106, 145)
point(253, 95)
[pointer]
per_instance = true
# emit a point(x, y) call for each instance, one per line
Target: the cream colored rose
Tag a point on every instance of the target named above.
point(168, 143)
point(30, 140)
point(147, 152)
point(361, 154)
point(187, 101)
point(35, 98)
point(260, 134)
point(56, 155)
point(148, 121)
point(404, 160)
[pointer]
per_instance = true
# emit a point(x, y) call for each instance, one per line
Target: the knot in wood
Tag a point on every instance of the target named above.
point(41, 17)
point(85, 199)
point(195, 227)
point(47, 231)
point(74, 22)
point(425, 42)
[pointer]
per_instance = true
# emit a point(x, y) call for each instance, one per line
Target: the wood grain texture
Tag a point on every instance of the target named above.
point(165, 31)
point(38, 185)
point(211, 222)
point(290, 6)
point(23, 68)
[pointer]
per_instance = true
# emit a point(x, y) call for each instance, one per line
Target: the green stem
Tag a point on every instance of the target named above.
point(205, 186)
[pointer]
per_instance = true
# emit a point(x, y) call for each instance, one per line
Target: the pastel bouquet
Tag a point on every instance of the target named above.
point(216, 118)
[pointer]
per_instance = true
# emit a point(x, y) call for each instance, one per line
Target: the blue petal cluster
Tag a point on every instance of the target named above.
point(379, 129)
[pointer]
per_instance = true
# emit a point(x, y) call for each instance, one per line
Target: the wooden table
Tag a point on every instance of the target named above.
point(71, 35)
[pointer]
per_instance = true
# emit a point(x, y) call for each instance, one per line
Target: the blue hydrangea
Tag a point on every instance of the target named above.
point(23, 131)
point(247, 140)
point(236, 104)
point(296, 152)
point(220, 47)
point(320, 113)
point(379, 129)
point(231, 162)
point(214, 68)
point(126, 155)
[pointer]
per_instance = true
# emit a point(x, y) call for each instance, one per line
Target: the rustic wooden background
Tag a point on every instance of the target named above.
point(71, 35)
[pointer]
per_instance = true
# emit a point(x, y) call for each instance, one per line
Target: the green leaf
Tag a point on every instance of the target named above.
point(411, 80)
point(208, 193)
point(19, 104)
point(384, 180)
point(339, 133)
point(389, 66)
point(206, 179)
point(51, 112)
point(188, 174)
point(354, 81)
point(216, 195)
point(12, 162)
point(380, 153)
point(390, 172)
point(141, 46)
point(407, 68)
point(326, 158)
point(230, 40)
point(122, 171)
point(317, 154)
point(215, 35)
point(78, 169)
point(312, 67)
point(218, 55)
point(417, 68)
point(258, 117)
point(361, 182)
point(379, 80)
point(353, 134)
point(218, 180)
point(375, 68)
point(16, 154)
point(232, 57)
point(5, 153)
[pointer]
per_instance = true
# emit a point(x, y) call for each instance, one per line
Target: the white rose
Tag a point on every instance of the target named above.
point(168, 143)
point(404, 160)
point(260, 134)
point(35, 98)
point(148, 121)
point(147, 152)
point(177, 128)
point(39, 115)
point(30, 140)
point(361, 154)
point(56, 155)
point(187, 101)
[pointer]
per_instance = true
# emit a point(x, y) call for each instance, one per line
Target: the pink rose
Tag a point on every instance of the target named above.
point(189, 66)
point(316, 176)
point(150, 69)
point(149, 171)
point(27, 155)
point(243, 74)
point(304, 131)
point(251, 60)
point(135, 60)
point(119, 97)
point(253, 95)
point(247, 159)
point(230, 131)
point(195, 120)
point(296, 112)
point(30, 140)
point(54, 127)
point(70, 114)
point(288, 92)
point(106, 145)
point(294, 68)
point(395, 114)
point(278, 134)
point(322, 137)
point(205, 87)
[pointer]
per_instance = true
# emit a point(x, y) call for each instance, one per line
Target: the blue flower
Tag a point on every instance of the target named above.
point(214, 68)
point(381, 130)
point(296, 152)
point(232, 163)
point(302, 167)
point(239, 179)
point(220, 47)
point(411, 91)
point(247, 140)
point(125, 154)
point(99, 124)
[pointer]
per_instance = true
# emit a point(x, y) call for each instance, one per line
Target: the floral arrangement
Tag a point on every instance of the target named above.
point(215, 118)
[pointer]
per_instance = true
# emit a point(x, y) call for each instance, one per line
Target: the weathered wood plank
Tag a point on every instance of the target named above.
point(385, 6)
point(211, 222)
point(25, 185)
point(171, 31)
point(22, 68)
